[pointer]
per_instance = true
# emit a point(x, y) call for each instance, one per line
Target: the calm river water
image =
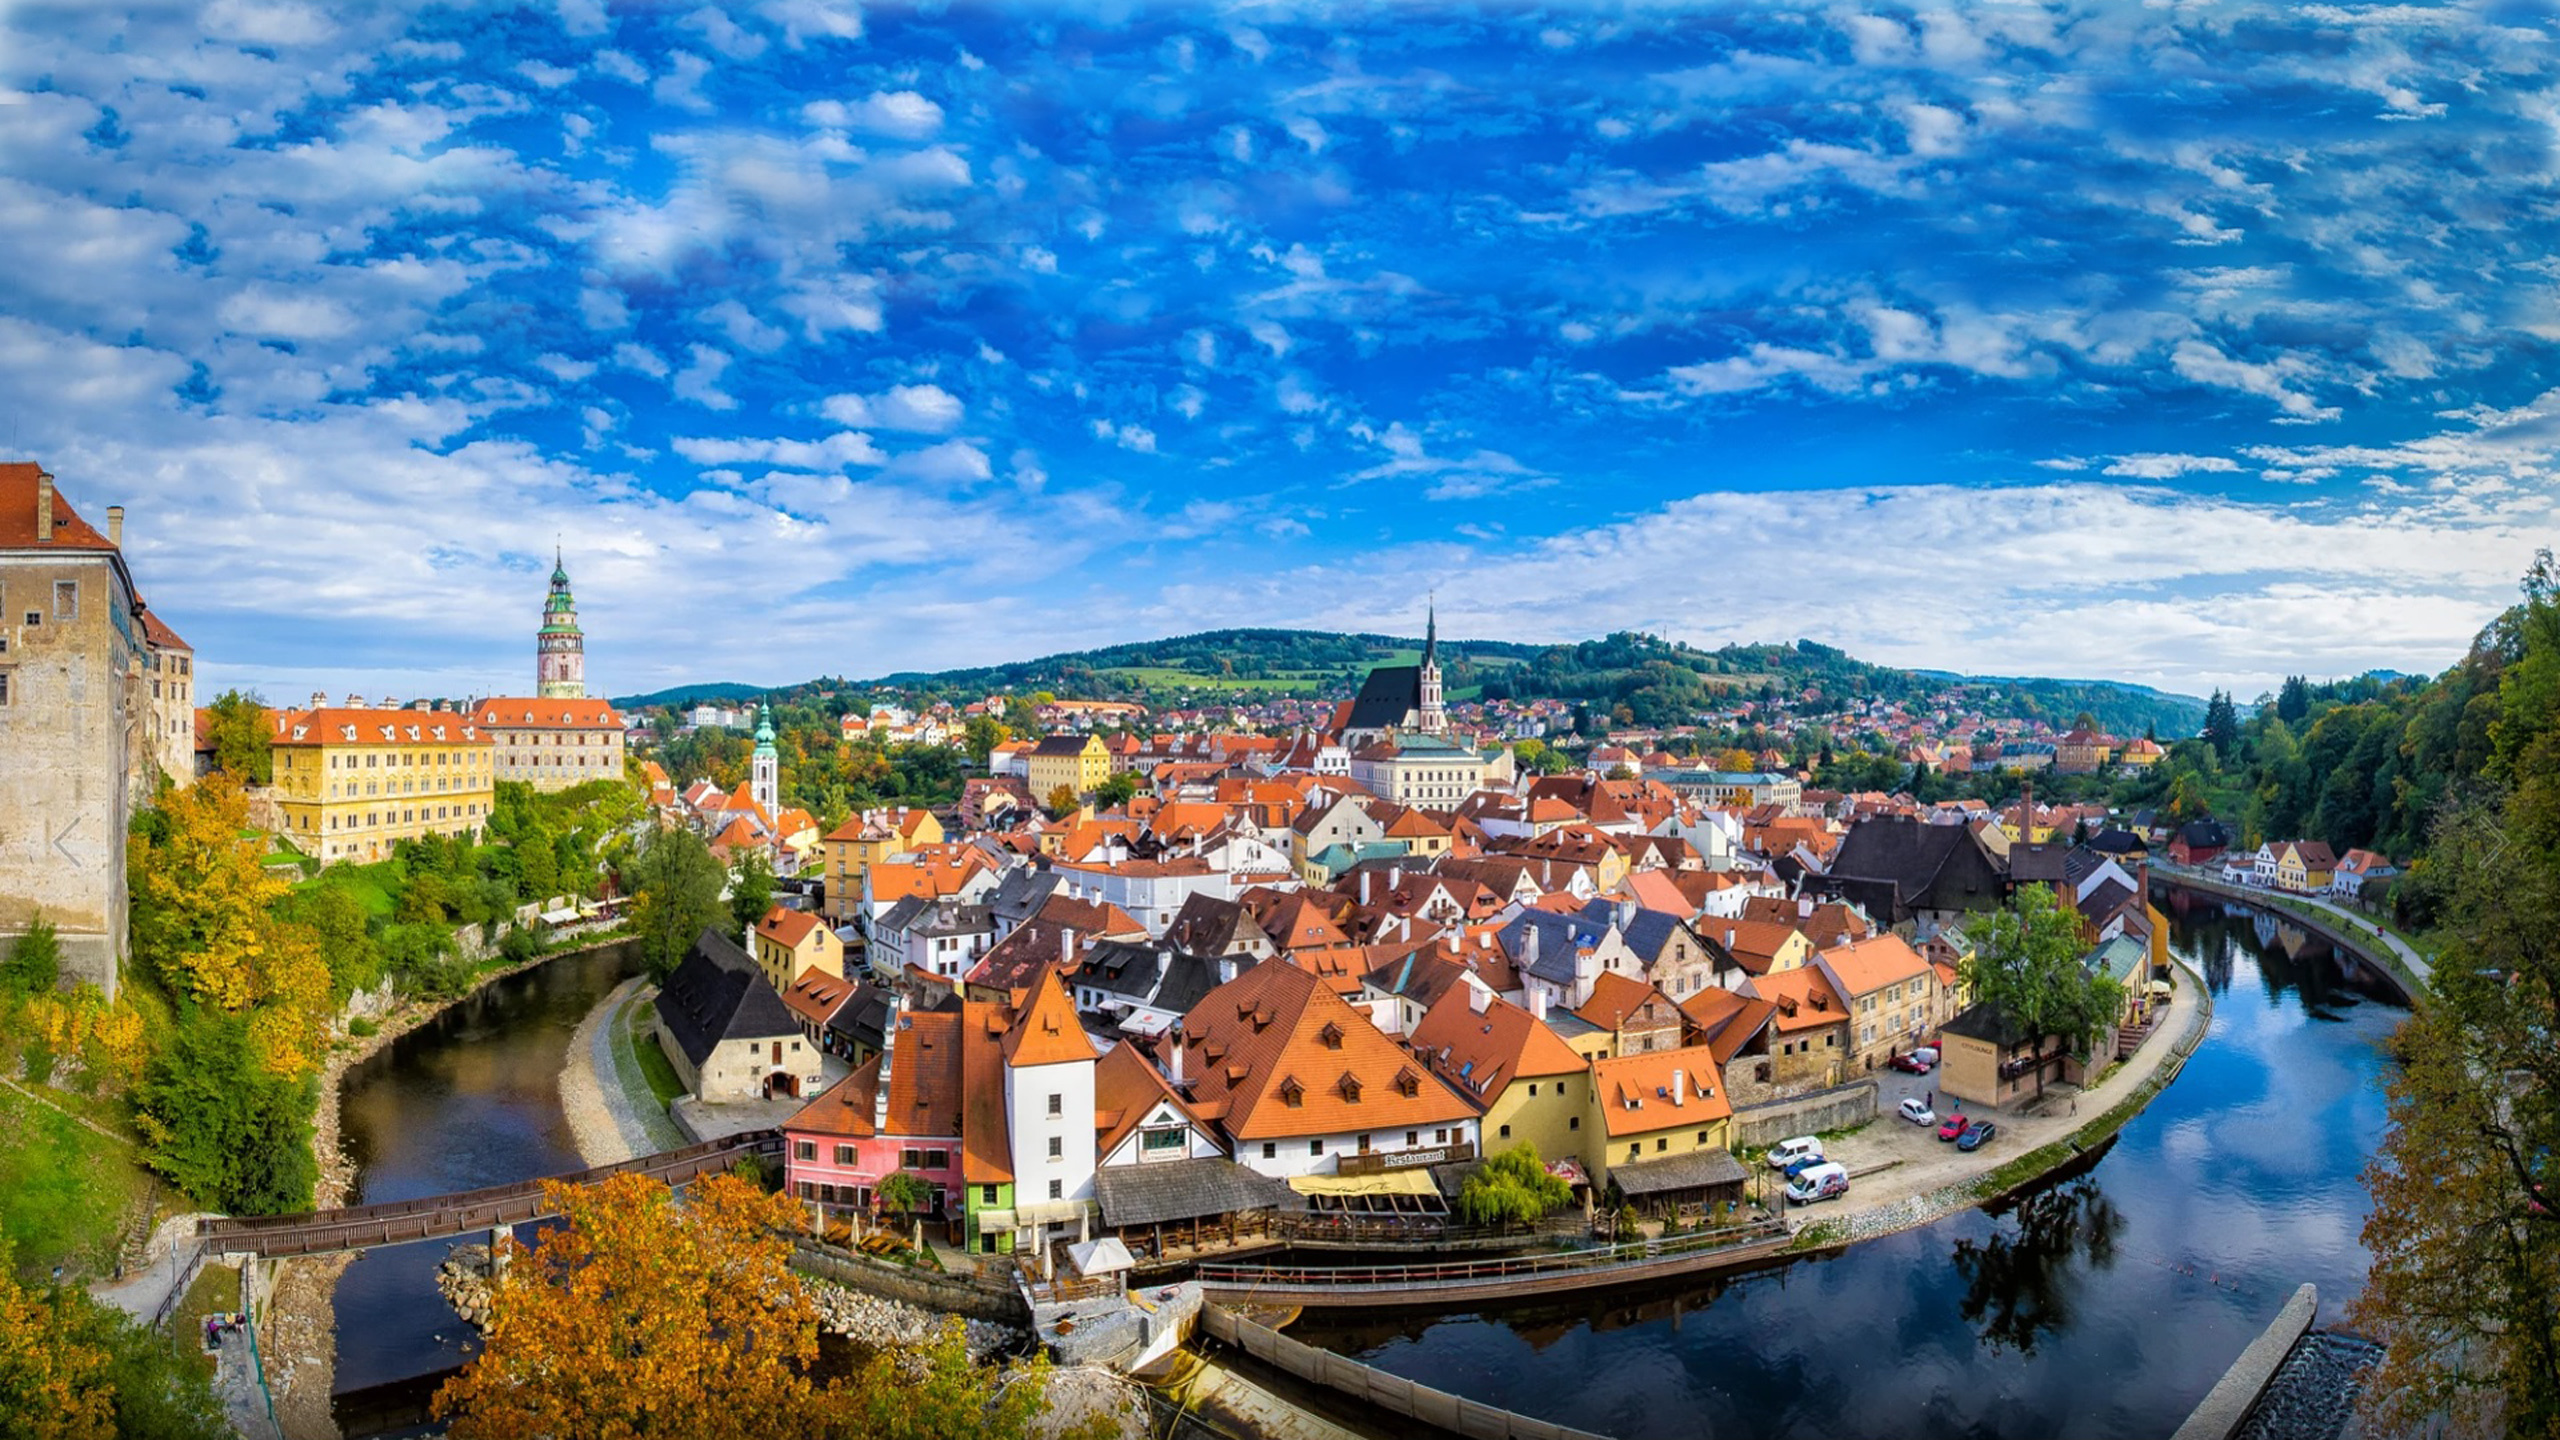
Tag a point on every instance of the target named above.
point(2105, 1307)
point(470, 1098)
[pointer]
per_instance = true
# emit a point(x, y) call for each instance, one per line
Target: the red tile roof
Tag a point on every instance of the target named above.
point(18, 513)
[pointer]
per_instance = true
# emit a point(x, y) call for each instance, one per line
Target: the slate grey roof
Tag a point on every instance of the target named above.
point(1389, 698)
point(899, 916)
point(1131, 972)
point(1020, 893)
point(1558, 936)
point(1697, 1170)
point(2205, 834)
point(1172, 1190)
point(717, 994)
point(1895, 865)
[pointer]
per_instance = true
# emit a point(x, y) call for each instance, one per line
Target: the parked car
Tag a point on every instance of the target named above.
point(1786, 1153)
point(1912, 1063)
point(1977, 1136)
point(1828, 1181)
point(1799, 1166)
point(1917, 1111)
point(1954, 1128)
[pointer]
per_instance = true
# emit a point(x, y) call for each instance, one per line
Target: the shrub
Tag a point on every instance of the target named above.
point(362, 1028)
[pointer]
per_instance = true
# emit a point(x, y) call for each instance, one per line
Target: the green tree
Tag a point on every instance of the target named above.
point(902, 1192)
point(346, 942)
point(2293, 702)
point(34, 965)
point(750, 891)
point(2222, 724)
point(675, 889)
point(1512, 1188)
point(2026, 966)
point(224, 1128)
point(243, 739)
point(981, 736)
point(1116, 790)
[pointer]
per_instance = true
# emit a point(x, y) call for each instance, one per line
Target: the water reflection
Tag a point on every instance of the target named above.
point(2106, 1305)
point(2021, 1282)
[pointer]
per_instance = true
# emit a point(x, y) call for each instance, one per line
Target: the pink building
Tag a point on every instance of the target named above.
point(840, 1146)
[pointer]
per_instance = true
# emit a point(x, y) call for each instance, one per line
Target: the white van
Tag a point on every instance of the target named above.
point(1828, 1181)
point(1788, 1152)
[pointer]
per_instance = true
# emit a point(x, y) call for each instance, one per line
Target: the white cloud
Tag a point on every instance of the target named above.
point(901, 113)
point(1130, 436)
point(699, 381)
point(723, 34)
point(2278, 379)
point(2155, 466)
point(802, 21)
point(616, 65)
point(743, 329)
point(640, 358)
point(836, 451)
point(681, 86)
point(929, 409)
point(952, 462)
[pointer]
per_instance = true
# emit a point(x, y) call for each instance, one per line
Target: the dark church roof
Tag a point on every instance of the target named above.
point(1390, 698)
point(1894, 866)
point(718, 994)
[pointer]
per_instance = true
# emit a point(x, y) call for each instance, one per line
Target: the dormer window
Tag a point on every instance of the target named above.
point(1331, 1035)
point(1408, 1084)
point(1349, 1085)
point(1292, 1093)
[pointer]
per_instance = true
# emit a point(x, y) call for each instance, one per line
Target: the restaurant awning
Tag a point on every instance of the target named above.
point(1391, 1182)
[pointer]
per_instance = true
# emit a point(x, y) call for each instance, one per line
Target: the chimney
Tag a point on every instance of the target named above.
point(318, 700)
point(1478, 998)
point(1538, 1005)
point(1066, 946)
point(355, 702)
point(888, 1055)
point(1730, 937)
point(1178, 1047)
point(44, 508)
point(1804, 907)
point(1679, 1093)
point(115, 525)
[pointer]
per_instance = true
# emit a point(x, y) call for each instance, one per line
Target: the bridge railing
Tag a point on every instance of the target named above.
point(430, 1216)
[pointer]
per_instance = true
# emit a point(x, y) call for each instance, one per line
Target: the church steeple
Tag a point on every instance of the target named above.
point(764, 782)
point(1431, 719)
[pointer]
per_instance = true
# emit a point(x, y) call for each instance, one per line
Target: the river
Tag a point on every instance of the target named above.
point(470, 1098)
point(2105, 1306)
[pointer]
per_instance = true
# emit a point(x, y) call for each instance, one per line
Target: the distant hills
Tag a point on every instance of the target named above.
point(1626, 678)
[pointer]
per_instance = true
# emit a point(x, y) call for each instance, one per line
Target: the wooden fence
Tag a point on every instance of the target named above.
point(1393, 1394)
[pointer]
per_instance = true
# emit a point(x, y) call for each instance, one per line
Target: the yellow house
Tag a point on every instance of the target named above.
point(352, 781)
point(791, 943)
point(1077, 763)
point(2304, 866)
point(1528, 1086)
point(865, 840)
point(2142, 754)
point(1765, 947)
point(1655, 1106)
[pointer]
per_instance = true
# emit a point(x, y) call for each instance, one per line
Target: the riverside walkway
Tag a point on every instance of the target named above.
point(431, 1217)
point(2350, 930)
point(1495, 1278)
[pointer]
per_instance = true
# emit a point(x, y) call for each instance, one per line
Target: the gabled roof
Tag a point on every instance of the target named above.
point(1481, 1050)
point(1280, 1054)
point(789, 929)
point(1659, 1090)
point(1127, 1088)
point(1803, 997)
point(518, 713)
point(1728, 1020)
point(1872, 964)
point(1614, 997)
point(1150, 975)
point(717, 993)
point(1046, 1031)
point(986, 1135)
point(18, 514)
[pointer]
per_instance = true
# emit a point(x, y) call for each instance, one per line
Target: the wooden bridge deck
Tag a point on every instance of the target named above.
point(397, 1222)
point(1509, 1277)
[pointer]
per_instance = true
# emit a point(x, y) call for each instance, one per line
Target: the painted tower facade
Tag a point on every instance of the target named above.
point(764, 786)
point(560, 650)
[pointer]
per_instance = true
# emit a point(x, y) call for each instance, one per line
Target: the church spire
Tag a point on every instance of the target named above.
point(1432, 716)
point(1431, 630)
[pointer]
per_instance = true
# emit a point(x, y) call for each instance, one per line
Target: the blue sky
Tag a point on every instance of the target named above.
point(2186, 344)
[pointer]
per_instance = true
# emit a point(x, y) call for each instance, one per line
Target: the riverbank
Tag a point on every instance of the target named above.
point(298, 1328)
point(2366, 939)
point(613, 1115)
point(1930, 1179)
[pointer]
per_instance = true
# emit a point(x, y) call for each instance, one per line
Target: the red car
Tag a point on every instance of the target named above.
point(1954, 1128)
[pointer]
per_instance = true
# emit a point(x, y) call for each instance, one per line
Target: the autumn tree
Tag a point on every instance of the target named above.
point(2027, 966)
point(643, 1316)
point(74, 1369)
point(207, 922)
point(675, 886)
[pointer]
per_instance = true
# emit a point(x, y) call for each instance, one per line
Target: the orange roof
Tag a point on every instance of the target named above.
point(1759, 940)
point(816, 995)
point(1126, 1088)
point(844, 1108)
point(924, 1086)
point(986, 1137)
point(1727, 1020)
point(1046, 1032)
point(1804, 998)
point(157, 631)
point(1659, 1090)
point(786, 928)
point(1482, 1051)
point(516, 714)
point(18, 513)
point(1657, 890)
point(1614, 997)
point(330, 726)
point(1872, 964)
point(1287, 1056)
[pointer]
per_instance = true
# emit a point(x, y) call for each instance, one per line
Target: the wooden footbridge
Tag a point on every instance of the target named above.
point(1507, 1277)
point(433, 1217)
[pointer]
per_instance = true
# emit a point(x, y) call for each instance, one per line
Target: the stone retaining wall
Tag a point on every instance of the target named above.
point(1391, 1393)
point(912, 1287)
point(2226, 1407)
point(1841, 1107)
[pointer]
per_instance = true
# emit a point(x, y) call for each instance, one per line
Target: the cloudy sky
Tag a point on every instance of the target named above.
point(2186, 344)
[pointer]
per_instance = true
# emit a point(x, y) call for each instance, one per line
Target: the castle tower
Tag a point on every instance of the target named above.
point(1432, 719)
point(765, 785)
point(560, 650)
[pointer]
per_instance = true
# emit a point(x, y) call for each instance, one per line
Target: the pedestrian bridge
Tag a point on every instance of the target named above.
point(434, 1217)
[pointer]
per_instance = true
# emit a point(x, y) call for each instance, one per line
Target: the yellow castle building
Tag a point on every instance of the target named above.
point(354, 780)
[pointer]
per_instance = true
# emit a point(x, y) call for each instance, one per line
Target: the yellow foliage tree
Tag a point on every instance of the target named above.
point(204, 917)
point(645, 1317)
point(53, 1381)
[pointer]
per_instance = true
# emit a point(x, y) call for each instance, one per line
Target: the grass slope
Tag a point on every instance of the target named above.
point(65, 1190)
